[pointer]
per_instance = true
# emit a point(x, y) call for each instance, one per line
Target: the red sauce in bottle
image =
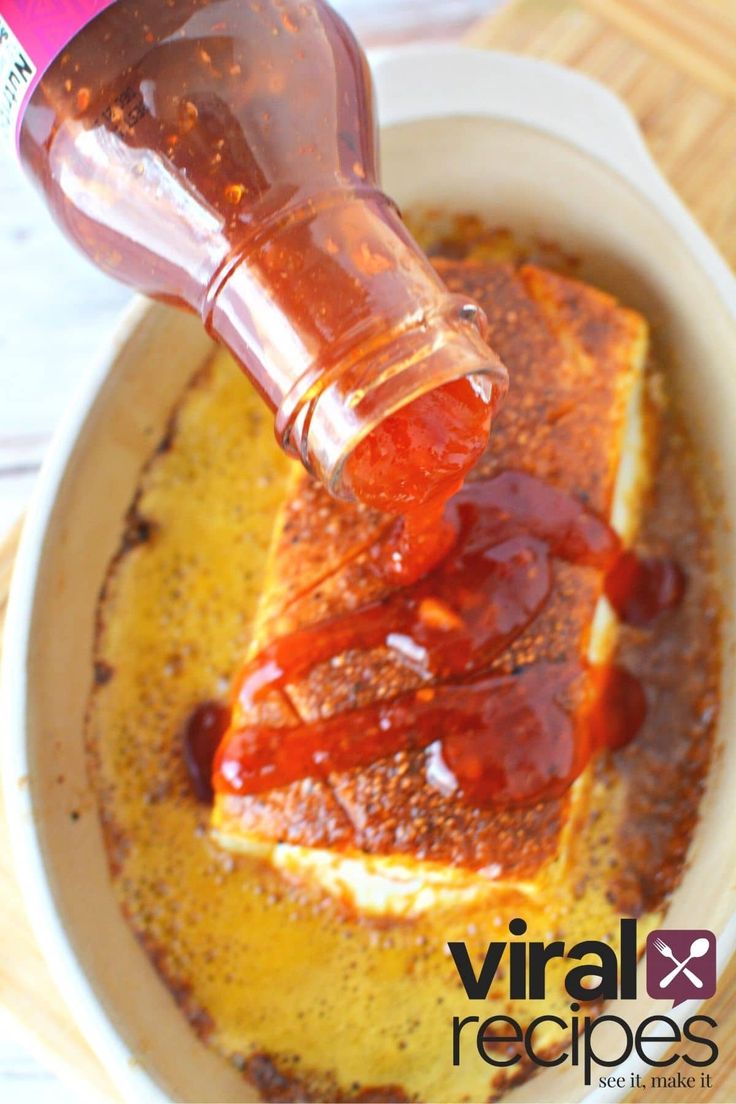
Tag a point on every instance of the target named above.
point(493, 738)
point(221, 155)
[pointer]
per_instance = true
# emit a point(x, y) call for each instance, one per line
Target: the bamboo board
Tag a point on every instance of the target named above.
point(674, 63)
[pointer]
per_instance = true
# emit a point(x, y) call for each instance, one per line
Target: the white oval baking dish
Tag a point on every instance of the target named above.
point(525, 144)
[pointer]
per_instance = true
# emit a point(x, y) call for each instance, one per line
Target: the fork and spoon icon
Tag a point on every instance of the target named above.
point(698, 948)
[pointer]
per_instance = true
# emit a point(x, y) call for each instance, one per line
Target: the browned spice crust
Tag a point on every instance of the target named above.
point(569, 349)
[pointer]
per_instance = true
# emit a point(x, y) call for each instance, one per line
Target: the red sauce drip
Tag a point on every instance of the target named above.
point(413, 462)
point(537, 762)
point(640, 589)
point(618, 708)
point(493, 739)
point(204, 728)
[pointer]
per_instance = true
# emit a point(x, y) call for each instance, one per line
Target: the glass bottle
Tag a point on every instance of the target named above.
point(220, 155)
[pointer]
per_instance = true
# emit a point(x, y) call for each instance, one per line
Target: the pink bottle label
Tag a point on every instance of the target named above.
point(32, 34)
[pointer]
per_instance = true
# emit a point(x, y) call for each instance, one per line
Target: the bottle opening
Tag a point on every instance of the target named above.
point(403, 425)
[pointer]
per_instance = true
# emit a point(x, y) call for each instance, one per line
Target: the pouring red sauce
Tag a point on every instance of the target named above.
point(492, 738)
point(413, 462)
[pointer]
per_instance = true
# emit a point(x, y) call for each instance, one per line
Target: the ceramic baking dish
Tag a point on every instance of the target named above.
point(527, 145)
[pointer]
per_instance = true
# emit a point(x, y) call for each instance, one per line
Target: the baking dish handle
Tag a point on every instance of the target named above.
point(423, 82)
point(418, 82)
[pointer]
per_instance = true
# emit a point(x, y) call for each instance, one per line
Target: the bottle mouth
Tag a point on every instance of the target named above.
point(333, 413)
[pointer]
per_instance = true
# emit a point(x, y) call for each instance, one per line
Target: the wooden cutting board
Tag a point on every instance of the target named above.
point(674, 63)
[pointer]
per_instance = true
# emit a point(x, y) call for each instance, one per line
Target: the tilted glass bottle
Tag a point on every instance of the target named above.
point(221, 155)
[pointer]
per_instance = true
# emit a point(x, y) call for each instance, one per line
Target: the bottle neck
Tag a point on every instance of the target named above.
point(340, 320)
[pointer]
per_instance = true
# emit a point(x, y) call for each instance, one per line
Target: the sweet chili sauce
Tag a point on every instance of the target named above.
point(220, 155)
point(444, 432)
point(492, 738)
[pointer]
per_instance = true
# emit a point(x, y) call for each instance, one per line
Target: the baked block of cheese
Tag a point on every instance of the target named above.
point(382, 838)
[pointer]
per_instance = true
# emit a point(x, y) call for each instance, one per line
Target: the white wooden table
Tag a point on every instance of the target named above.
point(57, 311)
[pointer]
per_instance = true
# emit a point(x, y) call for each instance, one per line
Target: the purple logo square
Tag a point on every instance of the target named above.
point(681, 965)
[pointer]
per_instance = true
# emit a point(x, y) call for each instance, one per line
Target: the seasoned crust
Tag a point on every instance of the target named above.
point(573, 355)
